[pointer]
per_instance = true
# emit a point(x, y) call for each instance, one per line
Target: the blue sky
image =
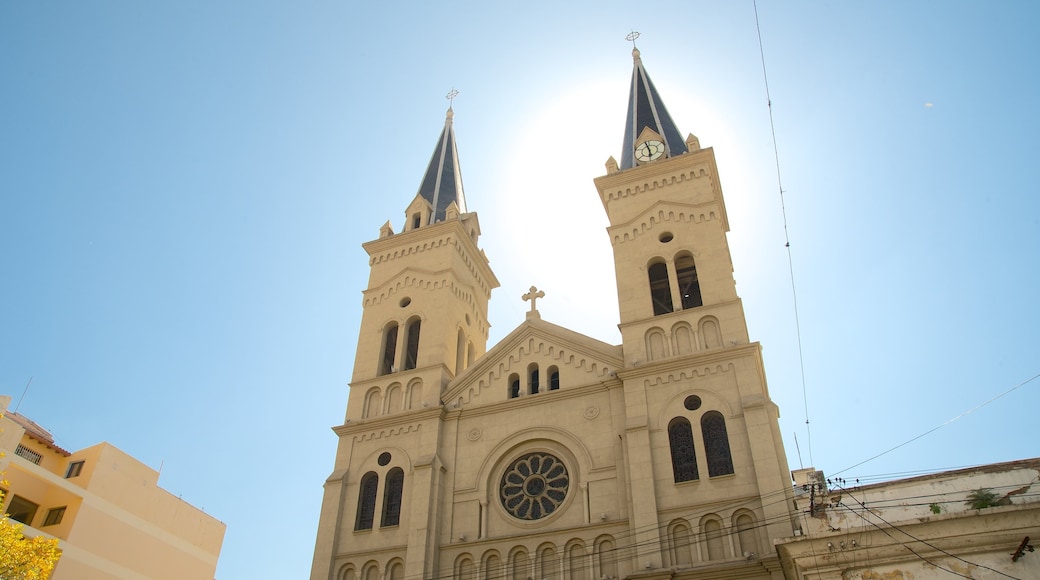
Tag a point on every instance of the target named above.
point(184, 189)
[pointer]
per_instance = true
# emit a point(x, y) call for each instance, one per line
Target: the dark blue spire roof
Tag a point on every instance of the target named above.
point(646, 109)
point(442, 183)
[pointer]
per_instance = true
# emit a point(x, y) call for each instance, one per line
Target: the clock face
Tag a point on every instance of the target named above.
point(649, 150)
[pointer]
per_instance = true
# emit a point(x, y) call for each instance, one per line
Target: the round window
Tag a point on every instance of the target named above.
point(383, 458)
point(665, 237)
point(405, 301)
point(534, 486)
point(692, 403)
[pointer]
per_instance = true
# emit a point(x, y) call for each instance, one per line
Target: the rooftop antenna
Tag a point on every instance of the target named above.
point(23, 395)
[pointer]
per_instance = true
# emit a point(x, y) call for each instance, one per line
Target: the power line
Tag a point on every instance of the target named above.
point(787, 238)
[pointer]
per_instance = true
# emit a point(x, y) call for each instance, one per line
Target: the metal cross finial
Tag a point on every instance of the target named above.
point(533, 296)
point(631, 37)
point(451, 97)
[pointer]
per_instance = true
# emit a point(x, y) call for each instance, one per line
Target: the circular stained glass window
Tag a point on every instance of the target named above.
point(534, 486)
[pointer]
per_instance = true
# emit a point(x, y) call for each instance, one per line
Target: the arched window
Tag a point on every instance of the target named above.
point(521, 566)
point(660, 290)
point(576, 560)
point(514, 386)
point(467, 570)
point(471, 353)
point(681, 545)
point(386, 364)
point(716, 444)
point(554, 379)
point(689, 287)
point(607, 558)
point(684, 457)
point(548, 564)
point(392, 497)
point(396, 571)
point(371, 572)
point(394, 398)
point(366, 509)
point(713, 537)
point(347, 573)
point(532, 375)
point(460, 354)
point(746, 535)
point(493, 567)
point(411, 354)
point(415, 220)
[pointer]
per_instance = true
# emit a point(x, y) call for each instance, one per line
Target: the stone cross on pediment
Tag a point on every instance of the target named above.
point(533, 295)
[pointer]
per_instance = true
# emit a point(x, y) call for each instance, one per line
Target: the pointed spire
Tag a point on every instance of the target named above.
point(647, 110)
point(442, 183)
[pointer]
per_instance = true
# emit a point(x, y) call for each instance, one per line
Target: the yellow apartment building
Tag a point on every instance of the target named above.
point(106, 508)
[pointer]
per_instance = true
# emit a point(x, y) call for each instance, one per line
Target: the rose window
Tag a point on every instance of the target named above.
point(534, 486)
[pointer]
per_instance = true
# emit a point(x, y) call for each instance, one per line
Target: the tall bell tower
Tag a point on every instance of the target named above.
point(424, 321)
point(694, 385)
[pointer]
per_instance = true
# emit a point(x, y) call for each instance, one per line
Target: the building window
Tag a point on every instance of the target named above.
point(415, 221)
point(22, 510)
point(554, 379)
point(54, 516)
point(392, 497)
point(514, 386)
point(411, 355)
point(532, 373)
point(28, 454)
point(689, 287)
point(716, 444)
point(684, 457)
point(660, 290)
point(366, 511)
point(75, 468)
point(386, 365)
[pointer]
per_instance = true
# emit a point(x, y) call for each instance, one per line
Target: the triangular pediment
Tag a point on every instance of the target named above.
point(580, 360)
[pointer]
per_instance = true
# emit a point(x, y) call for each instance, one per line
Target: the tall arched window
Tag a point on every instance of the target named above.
point(713, 537)
point(514, 386)
point(716, 444)
point(411, 355)
point(576, 561)
point(493, 567)
point(607, 558)
point(660, 290)
point(467, 570)
point(746, 535)
point(689, 287)
point(532, 375)
point(460, 354)
point(386, 361)
point(554, 379)
point(395, 572)
point(366, 510)
point(548, 563)
point(521, 566)
point(684, 457)
point(681, 545)
point(392, 497)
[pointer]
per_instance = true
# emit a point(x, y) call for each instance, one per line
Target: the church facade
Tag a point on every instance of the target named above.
point(553, 454)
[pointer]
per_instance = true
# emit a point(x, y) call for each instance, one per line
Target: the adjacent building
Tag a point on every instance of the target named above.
point(106, 508)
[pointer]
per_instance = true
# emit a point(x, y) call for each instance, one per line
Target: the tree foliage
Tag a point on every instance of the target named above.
point(23, 558)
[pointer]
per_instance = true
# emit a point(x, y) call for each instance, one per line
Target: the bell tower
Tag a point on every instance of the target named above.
point(425, 308)
point(424, 321)
point(694, 384)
